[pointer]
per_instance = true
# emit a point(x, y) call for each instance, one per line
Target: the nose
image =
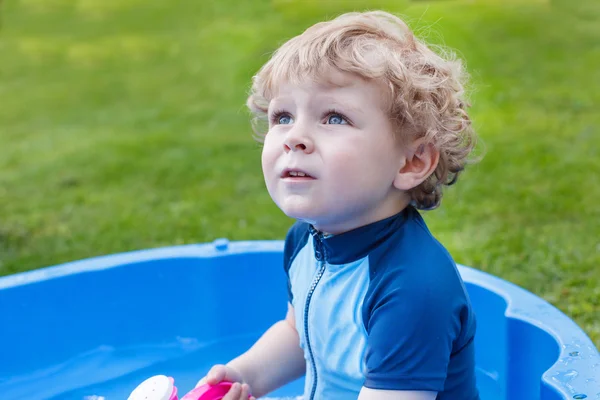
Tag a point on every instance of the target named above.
point(297, 140)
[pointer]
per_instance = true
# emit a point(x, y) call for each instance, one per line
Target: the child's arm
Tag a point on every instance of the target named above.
point(372, 394)
point(274, 360)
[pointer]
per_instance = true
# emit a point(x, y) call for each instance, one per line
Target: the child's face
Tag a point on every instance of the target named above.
point(340, 136)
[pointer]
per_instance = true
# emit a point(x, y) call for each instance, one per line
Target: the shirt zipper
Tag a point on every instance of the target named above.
point(320, 255)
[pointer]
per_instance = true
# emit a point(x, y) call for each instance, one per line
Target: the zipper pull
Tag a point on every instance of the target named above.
point(318, 242)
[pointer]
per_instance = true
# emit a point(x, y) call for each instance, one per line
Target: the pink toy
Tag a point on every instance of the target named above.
point(162, 387)
point(207, 392)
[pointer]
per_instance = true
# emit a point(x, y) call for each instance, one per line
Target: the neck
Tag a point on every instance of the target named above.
point(354, 222)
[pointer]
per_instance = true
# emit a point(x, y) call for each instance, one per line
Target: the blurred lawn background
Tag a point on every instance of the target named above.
point(123, 127)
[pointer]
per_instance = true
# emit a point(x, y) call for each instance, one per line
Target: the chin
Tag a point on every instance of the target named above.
point(300, 215)
point(300, 212)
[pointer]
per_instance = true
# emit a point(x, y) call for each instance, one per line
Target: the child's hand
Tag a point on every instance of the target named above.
point(220, 373)
point(239, 391)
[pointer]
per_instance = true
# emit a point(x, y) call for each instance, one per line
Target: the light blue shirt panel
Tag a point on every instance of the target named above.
point(336, 330)
point(302, 273)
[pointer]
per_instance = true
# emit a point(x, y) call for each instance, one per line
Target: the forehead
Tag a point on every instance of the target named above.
point(345, 86)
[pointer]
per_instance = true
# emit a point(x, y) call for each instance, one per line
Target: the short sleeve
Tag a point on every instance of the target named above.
point(411, 329)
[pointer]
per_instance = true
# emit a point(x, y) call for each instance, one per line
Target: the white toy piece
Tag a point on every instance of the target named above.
point(159, 387)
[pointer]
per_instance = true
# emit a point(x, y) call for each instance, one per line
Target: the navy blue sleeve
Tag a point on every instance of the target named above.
point(294, 241)
point(413, 319)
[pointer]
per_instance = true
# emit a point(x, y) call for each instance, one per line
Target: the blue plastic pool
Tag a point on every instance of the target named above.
point(94, 329)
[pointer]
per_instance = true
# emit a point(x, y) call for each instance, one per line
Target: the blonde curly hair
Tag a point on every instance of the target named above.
point(426, 90)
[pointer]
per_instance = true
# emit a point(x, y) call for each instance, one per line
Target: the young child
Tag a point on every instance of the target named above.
point(366, 124)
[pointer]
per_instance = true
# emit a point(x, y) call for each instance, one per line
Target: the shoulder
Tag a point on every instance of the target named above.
point(297, 231)
point(414, 275)
point(295, 240)
point(413, 257)
point(416, 311)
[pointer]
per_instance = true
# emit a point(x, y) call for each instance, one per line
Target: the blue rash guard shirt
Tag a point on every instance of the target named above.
point(381, 306)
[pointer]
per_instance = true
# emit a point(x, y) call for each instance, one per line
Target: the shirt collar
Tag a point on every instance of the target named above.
point(357, 243)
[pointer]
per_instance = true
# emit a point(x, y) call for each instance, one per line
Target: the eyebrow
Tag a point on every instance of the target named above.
point(345, 106)
point(278, 100)
point(330, 101)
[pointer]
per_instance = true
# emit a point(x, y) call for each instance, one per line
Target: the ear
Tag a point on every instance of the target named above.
point(421, 160)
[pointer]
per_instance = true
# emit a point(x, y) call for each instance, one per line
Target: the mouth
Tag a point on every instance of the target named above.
point(294, 173)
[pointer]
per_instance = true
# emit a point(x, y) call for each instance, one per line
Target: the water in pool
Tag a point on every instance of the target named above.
point(108, 373)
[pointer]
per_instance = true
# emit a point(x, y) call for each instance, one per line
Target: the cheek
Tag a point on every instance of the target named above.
point(264, 160)
point(385, 154)
point(363, 164)
point(346, 167)
point(268, 156)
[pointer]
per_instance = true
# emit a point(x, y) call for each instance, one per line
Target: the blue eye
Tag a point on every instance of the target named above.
point(336, 119)
point(279, 117)
point(285, 119)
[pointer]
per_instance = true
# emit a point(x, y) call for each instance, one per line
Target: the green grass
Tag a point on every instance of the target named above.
point(122, 127)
